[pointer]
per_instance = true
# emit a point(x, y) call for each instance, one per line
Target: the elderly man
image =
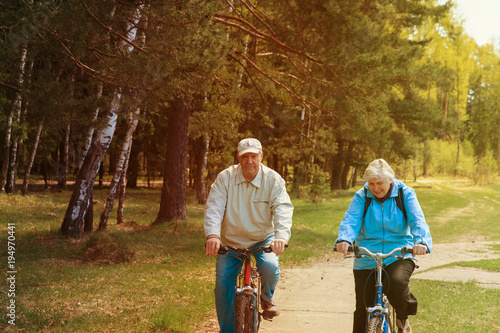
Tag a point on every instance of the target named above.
point(248, 206)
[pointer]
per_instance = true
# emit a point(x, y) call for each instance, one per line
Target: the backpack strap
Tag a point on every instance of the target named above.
point(400, 202)
point(368, 202)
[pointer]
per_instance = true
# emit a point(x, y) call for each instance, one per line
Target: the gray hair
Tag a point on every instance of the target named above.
point(378, 168)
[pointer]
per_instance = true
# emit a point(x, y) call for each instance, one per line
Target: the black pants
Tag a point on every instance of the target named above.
point(395, 280)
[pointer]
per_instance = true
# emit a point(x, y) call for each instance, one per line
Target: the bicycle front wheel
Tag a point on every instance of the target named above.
point(375, 325)
point(246, 315)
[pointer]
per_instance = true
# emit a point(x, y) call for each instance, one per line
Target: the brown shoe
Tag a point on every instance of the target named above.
point(270, 309)
point(403, 326)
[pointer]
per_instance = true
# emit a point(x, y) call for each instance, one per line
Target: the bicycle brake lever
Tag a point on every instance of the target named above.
point(349, 256)
point(223, 250)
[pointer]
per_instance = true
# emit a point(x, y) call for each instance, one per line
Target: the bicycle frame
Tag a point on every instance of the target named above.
point(248, 287)
point(381, 307)
point(379, 314)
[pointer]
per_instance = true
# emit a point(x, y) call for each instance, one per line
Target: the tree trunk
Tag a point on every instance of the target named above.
point(354, 177)
point(64, 158)
point(458, 121)
point(173, 194)
point(88, 220)
point(133, 118)
point(297, 177)
point(122, 187)
point(16, 108)
point(415, 167)
point(445, 114)
point(201, 168)
point(133, 162)
point(10, 187)
point(347, 165)
point(338, 160)
point(424, 160)
point(90, 131)
point(32, 158)
point(80, 200)
point(498, 148)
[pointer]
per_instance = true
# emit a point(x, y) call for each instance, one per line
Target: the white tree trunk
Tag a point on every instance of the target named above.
point(90, 131)
point(32, 158)
point(16, 109)
point(133, 119)
point(122, 188)
point(79, 203)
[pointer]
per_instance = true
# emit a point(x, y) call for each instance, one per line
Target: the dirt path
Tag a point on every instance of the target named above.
point(320, 298)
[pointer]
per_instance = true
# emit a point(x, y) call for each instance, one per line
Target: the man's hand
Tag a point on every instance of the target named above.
point(278, 246)
point(342, 247)
point(212, 246)
point(419, 249)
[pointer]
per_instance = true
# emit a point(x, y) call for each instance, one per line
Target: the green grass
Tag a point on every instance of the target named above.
point(136, 277)
point(455, 307)
point(460, 211)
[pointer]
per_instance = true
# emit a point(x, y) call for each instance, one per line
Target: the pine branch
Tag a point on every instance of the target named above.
point(247, 27)
point(110, 30)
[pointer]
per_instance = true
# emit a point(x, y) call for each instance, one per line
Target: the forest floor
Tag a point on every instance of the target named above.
point(320, 298)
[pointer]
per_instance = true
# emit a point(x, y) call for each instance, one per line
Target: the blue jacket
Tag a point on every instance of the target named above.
point(384, 227)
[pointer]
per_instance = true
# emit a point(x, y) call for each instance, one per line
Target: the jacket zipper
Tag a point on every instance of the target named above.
point(383, 229)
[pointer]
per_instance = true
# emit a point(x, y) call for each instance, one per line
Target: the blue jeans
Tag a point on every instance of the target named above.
point(227, 269)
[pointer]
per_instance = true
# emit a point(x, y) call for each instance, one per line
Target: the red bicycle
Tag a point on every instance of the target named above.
point(248, 286)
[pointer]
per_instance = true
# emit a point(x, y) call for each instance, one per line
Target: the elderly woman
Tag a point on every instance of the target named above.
point(392, 219)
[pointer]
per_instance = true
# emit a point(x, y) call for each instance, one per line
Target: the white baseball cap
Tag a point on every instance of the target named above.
point(249, 145)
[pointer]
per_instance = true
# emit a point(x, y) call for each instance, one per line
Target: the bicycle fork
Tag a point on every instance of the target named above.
point(380, 309)
point(247, 281)
point(247, 290)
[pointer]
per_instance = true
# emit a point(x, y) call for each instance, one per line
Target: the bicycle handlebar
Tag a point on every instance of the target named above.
point(404, 250)
point(225, 248)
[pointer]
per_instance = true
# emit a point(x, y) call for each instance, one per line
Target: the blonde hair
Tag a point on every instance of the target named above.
point(378, 168)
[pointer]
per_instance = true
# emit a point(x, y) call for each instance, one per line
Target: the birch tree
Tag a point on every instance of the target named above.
point(121, 166)
point(31, 160)
point(15, 110)
point(79, 202)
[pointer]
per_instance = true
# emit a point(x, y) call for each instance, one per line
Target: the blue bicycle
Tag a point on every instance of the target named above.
point(379, 315)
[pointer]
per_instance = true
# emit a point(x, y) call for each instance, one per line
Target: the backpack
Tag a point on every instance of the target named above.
point(400, 202)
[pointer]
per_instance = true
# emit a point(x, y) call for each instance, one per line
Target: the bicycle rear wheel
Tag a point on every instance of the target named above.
point(375, 325)
point(246, 315)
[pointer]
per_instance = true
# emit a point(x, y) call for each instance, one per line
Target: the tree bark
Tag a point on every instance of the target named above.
point(10, 187)
point(16, 108)
point(122, 188)
point(347, 165)
point(201, 168)
point(133, 162)
point(64, 158)
point(133, 119)
point(32, 158)
point(338, 160)
point(90, 131)
point(88, 220)
point(173, 194)
point(80, 200)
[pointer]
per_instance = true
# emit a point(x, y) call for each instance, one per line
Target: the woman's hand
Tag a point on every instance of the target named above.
point(342, 247)
point(419, 249)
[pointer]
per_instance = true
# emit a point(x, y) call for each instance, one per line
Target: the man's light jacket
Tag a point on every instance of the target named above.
point(244, 213)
